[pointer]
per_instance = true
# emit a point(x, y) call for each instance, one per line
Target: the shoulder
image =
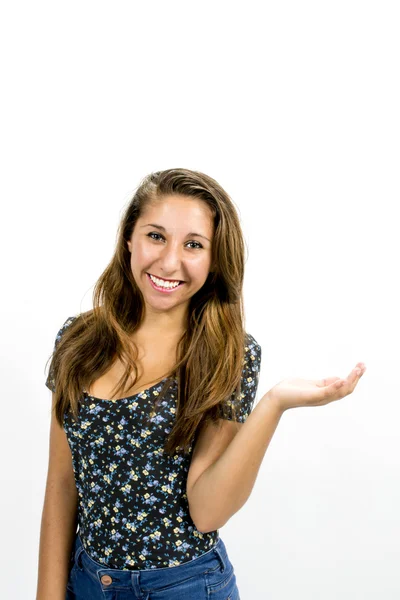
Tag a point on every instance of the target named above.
point(64, 326)
point(68, 322)
point(50, 381)
point(252, 350)
point(251, 342)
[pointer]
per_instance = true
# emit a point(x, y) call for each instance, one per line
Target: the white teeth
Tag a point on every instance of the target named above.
point(161, 283)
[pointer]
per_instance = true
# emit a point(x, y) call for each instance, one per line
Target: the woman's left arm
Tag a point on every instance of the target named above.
point(224, 487)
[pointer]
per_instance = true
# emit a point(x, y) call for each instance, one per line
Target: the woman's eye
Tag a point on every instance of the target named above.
point(198, 245)
point(153, 233)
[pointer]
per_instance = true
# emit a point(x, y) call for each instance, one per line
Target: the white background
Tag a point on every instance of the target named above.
point(293, 107)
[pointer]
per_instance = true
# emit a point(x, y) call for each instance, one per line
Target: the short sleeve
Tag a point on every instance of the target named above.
point(50, 383)
point(250, 377)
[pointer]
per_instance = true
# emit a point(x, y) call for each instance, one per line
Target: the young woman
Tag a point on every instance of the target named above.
point(152, 444)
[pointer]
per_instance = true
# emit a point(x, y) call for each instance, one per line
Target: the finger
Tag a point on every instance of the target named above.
point(339, 388)
point(354, 374)
point(352, 379)
point(336, 391)
point(331, 384)
point(357, 372)
point(359, 367)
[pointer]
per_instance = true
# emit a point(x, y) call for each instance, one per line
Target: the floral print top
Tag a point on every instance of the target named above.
point(133, 510)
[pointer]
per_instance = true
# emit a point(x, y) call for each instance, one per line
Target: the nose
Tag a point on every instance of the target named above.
point(170, 260)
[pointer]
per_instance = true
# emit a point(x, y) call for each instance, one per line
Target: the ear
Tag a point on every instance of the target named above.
point(128, 243)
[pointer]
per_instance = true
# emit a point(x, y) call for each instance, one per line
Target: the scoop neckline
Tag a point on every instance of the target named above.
point(145, 390)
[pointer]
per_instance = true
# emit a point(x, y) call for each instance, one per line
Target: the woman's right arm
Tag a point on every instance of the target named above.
point(59, 518)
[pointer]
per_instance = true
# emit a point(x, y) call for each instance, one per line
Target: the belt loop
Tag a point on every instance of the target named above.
point(78, 553)
point(221, 559)
point(136, 584)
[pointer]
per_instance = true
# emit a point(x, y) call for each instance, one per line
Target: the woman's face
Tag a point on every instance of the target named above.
point(172, 242)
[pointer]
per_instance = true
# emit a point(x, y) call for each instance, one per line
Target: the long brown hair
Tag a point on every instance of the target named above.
point(210, 352)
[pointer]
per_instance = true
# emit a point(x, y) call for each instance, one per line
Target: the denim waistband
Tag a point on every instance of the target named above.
point(145, 580)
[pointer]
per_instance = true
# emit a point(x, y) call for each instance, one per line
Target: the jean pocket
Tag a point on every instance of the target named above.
point(220, 583)
point(191, 587)
point(71, 578)
point(75, 567)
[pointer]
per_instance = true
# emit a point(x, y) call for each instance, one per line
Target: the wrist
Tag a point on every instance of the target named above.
point(271, 401)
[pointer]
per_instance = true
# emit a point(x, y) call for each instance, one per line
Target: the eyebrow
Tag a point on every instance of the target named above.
point(163, 229)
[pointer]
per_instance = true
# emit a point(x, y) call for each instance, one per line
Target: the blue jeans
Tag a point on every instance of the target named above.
point(210, 576)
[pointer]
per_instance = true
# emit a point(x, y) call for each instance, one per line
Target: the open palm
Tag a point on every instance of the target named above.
point(292, 393)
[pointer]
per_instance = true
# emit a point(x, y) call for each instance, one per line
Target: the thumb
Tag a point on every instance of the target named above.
point(327, 381)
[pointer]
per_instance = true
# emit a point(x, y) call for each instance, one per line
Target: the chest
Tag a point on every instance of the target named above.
point(154, 363)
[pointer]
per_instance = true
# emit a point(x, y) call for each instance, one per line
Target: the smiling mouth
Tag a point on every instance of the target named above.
point(167, 280)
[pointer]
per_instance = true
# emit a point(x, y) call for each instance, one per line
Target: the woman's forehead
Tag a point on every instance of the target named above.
point(179, 213)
